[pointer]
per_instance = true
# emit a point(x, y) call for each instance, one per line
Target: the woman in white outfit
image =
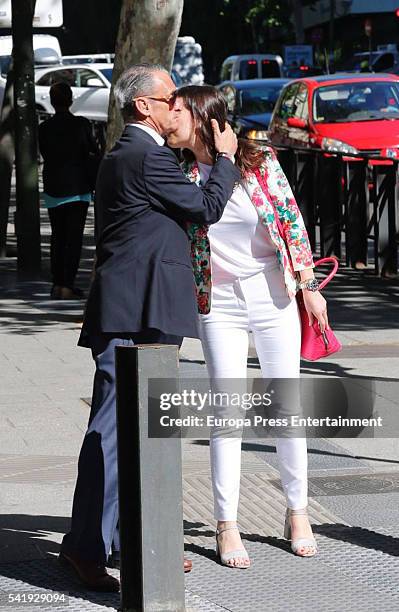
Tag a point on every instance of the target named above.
point(246, 277)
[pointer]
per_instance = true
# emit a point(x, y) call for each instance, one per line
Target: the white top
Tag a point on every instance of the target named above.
point(146, 128)
point(240, 244)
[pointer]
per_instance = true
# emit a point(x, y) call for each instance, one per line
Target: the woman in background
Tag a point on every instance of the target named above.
point(67, 147)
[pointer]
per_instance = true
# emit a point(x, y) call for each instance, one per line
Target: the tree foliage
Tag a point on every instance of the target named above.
point(222, 27)
point(226, 27)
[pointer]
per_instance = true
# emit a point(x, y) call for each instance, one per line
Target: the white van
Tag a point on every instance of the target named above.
point(45, 47)
point(89, 58)
point(253, 66)
point(46, 50)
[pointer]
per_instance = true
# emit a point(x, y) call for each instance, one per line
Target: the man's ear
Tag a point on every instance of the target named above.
point(142, 106)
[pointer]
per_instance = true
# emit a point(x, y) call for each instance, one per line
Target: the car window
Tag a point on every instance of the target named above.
point(229, 94)
point(301, 103)
point(248, 69)
point(257, 100)
point(225, 74)
point(45, 80)
point(384, 62)
point(83, 76)
point(359, 62)
point(364, 101)
point(107, 72)
point(270, 69)
point(287, 107)
point(58, 76)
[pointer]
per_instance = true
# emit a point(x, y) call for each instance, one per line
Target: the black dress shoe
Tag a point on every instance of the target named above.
point(92, 575)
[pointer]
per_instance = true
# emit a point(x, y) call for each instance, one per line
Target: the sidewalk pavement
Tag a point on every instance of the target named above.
point(354, 483)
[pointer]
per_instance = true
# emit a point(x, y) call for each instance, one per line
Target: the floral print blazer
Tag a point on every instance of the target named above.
point(277, 191)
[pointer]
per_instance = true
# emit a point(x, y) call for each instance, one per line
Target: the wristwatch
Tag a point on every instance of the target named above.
point(311, 284)
point(224, 154)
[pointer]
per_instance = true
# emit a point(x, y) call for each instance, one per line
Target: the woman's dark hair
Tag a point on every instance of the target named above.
point(205, 103)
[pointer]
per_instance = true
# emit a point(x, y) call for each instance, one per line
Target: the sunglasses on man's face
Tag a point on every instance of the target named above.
point(170, 100)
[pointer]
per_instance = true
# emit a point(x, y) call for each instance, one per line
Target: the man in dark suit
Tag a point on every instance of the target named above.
point(143, 290)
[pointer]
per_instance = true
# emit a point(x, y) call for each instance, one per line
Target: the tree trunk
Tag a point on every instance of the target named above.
point(27, 215)
point(254, 36)
point(296, 6)
point(148, 31)
point(7, 156)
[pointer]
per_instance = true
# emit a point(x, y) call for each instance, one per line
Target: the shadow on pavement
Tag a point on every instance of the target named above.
point(25, 305)
point(197, 530)
point(22, 532)
point(320, 368)
point(360, 537)
point(266, 448)
point(356, 300)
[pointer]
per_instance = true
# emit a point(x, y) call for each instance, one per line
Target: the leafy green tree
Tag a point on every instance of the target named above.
point(222, 27)
point(226, 27)
point(90, 26)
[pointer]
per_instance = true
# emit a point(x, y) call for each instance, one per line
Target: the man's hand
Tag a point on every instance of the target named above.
point(226, 141)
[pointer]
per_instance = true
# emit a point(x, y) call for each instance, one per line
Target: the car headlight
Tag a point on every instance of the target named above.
point(337, 146)
point(258, 135)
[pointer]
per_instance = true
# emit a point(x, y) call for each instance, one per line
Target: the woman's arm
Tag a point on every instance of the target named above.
point(296, 237)
point(289, 215)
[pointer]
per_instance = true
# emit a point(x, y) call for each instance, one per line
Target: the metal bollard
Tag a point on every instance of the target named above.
point(150, 488)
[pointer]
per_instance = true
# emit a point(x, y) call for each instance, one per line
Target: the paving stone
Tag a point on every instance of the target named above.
point(45, 380)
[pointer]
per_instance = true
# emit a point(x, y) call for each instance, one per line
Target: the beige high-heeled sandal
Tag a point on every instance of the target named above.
point(224, 558)
point(299, 543)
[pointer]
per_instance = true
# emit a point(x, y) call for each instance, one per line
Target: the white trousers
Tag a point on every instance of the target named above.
point(258, 304)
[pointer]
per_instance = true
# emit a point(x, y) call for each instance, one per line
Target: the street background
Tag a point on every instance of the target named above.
point(45, 392)
point(46, 380)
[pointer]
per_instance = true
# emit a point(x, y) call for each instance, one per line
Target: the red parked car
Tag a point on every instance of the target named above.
point(345, 113)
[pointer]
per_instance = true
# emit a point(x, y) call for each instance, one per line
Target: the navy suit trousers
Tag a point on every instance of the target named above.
point(95, 504)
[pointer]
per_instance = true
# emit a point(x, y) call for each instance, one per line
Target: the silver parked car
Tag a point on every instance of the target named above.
point(90, 83)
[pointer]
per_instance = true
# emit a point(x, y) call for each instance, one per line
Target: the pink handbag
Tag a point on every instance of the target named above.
point(314, 343)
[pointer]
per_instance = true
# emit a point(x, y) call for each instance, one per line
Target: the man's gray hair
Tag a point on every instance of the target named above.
point(135, 81)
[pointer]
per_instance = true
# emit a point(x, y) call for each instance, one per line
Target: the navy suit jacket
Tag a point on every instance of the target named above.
point(144, 277)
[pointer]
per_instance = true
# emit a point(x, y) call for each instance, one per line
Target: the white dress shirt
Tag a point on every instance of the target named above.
point(240, 244)
point(146, 128)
